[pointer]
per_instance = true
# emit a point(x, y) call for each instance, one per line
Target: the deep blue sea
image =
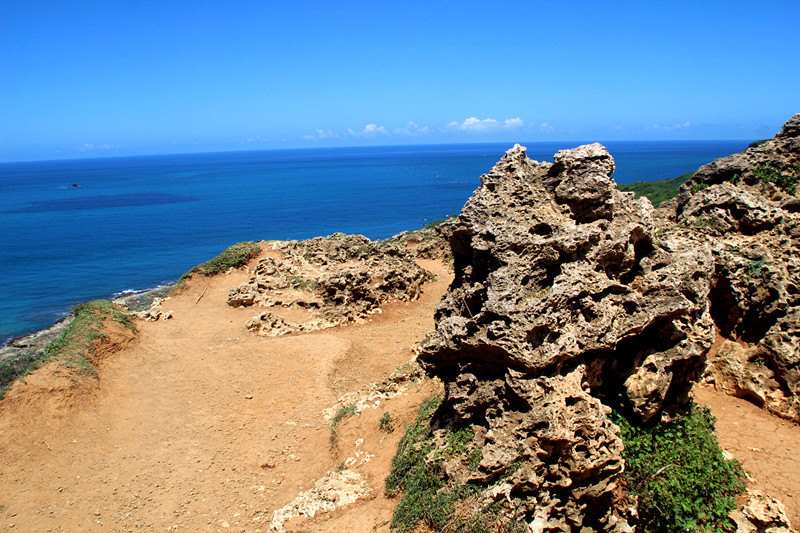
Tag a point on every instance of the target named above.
point(137, 222)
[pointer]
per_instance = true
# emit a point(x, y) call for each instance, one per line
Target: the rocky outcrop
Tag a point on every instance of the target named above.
point(155, 311)
point(336, 489)
point(743, 207)
point(430, 242)
point(761, 513)
point(338, 279)
point(566, 300)
point(781, 153)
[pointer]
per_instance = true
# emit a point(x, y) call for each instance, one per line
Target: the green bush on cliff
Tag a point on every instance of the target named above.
point(426, 497)
point(679, 475)
point(72, 348)
point(785, 181)
point(657, 191)
point(231, 257)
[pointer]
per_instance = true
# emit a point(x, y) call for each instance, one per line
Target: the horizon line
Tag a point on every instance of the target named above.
point(342, 147)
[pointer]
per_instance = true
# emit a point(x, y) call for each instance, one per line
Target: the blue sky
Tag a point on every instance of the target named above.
point(97, 79)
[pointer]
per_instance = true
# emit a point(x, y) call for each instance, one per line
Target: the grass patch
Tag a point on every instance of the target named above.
point(657, 191)
point(302, 284)
point(341, 414)
point(72, 347)
point(426, 497)
point(679, 474)
point(232, 257)
point(708, 224)
point(756, 144)
point(432, 225)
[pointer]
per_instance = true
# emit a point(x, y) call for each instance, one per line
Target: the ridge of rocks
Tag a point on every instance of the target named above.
point(753, 227)
point(572, 298)
point(335, 280)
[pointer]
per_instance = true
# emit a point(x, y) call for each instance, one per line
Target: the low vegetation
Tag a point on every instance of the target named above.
point(427, 498)
point(232, 257)
point(341, 414)
point(423, 234)
point(657, 191)
point(676, 472)
point(756, 144)
point(435, 223)
point(73, 348)
point(385, 423)
point(679, 475)
point(786, 181)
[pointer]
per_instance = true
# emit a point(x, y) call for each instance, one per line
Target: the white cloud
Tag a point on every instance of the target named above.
point(412, 129)
point(546, 126)
point(320, 134)
point(90, 146)
point(370, 130)
point(474, 124)
point(681, 126)
point(257, 138)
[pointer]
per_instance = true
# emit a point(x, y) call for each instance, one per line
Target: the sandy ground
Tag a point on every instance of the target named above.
point(768, 447)
point(200, 426)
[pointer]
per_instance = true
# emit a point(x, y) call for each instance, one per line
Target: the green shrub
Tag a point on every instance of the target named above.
point(385, 423)
point(755, 267)
point(658, 191)
point(679, 474)
point(708, 224)
point(232, 257)
point(72, 347)
point(768, 174)
point(426, 496)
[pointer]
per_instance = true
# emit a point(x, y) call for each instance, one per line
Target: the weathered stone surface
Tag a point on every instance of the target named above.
point(340, 279)
point(781, 153)
point(155, 312)
point(754, 233)
point(762, 514)
point(269, 325)
point(335, 490)
point(726, 207)
point(565, 301)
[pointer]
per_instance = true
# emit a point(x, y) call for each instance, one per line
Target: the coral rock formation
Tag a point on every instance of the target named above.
point(565, 301)
point(338, 279)
point(743, 206)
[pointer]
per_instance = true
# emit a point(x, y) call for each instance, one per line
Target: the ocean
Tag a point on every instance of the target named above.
point(76, 230)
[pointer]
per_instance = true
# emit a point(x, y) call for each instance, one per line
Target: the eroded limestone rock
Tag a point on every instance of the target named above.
point(762, 514)
point(566, 301)
point(754, 233)
point(336, 489)
point(339, 279)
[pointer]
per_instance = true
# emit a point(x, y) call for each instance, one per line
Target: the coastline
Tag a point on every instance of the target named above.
point(31, 343)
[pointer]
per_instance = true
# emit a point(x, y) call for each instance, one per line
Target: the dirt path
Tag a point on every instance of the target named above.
point(200, 426)
point(768, 447)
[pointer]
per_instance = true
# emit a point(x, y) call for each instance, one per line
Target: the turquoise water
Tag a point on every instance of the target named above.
point(137, 222)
